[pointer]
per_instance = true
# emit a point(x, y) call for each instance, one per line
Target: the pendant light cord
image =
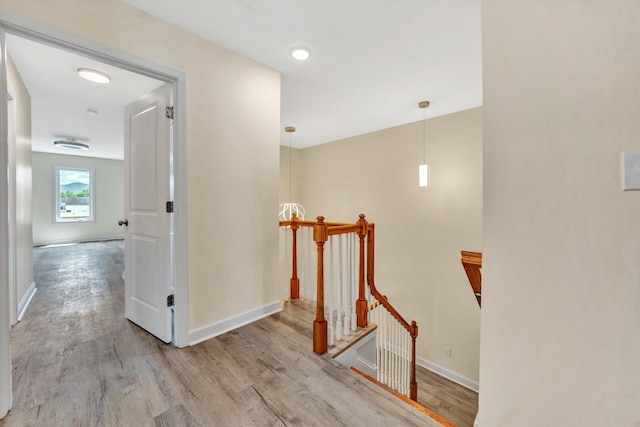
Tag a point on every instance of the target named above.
point(424, 138)
point(290, 167)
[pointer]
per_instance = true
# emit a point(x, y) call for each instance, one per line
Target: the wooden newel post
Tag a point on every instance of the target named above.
point(414, 382)
point(320, 236)
point(294, 286)
point(361, 302)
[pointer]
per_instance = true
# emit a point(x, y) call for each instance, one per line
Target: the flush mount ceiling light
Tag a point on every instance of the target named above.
point(92, 111)
point(301, 53)
point(93, 75)
point(71, 144)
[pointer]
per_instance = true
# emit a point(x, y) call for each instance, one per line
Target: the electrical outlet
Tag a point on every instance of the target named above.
point(447, 351)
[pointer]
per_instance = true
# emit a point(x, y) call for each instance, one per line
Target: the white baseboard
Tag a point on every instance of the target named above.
point(77, 240)
point(26, 300)
point(450, 375)
point(204, 333)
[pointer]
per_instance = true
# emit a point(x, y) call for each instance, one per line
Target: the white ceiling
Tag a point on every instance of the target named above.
point(372, 62)
point(60, 98)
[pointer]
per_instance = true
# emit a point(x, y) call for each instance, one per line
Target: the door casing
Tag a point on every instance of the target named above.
point(23, 27)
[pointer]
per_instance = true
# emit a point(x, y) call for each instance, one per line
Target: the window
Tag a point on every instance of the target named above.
point(74, 194)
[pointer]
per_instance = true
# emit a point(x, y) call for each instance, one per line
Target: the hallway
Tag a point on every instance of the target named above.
point(77, 362)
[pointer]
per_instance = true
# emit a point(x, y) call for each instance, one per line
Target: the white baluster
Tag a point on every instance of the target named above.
point(330, 331)
point(328, 295)
point(354, 286)
point(287, 265)
point(311, 268)
point(339, 323)
point(385, 347)
point(311, 279)
point(394, 375)
point(302, 264)
point(340, 282)
point(348, 303)
point(380, 347)
point(404, 362)
point(407, 362)
point(392, 336)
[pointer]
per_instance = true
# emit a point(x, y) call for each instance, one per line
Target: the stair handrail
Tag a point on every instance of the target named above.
point(412, 327)
point(366, 232)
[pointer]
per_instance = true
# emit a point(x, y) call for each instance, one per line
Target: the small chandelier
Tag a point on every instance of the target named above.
point(287, 210)
point(423, 170)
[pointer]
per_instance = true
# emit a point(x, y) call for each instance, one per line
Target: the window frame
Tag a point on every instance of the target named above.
point(57, 219)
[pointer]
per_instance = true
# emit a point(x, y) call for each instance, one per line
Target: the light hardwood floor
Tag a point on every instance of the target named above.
point(78, 362)
point(447, 399)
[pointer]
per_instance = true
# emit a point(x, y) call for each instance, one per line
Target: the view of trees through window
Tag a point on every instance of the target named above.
point(74, 188)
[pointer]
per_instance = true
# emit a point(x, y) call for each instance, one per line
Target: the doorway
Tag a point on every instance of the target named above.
point(22, 27)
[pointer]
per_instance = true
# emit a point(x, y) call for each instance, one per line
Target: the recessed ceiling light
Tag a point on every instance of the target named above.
point(72, 145)
point(92, 111)
point(301, 53)
point(93, 75)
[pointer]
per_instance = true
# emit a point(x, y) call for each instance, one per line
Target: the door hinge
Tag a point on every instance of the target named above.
point(169, 207)
point(170, 301)
point(169, 112)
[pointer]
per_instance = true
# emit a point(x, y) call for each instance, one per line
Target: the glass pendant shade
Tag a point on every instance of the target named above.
point(287, 210)
point(423, 175)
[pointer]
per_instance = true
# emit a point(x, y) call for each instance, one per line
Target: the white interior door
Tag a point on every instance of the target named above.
point(148, 278)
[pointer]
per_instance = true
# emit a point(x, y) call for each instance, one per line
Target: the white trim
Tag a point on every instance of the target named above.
point(450, 375)
point(11, 197)
point(6, 397)
point(204, 333)
point(77, 240)
point(52, 36)
point(26, 300)
point(180, 232)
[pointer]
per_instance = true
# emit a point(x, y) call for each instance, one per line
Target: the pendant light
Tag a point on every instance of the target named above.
point(287, 210)
point(423, 170)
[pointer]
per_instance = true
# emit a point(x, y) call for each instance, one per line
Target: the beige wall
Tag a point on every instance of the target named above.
point(561, 274)
point(24, 240)
point(109, 199)
point(233, 115)
point(419, 232)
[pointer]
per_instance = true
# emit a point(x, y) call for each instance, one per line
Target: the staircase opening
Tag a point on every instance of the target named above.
point(332, 270)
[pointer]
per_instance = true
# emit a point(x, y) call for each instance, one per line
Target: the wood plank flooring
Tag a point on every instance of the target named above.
point(78, 362)
point(450, 400)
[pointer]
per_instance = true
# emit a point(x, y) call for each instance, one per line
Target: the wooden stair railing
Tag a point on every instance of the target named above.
point(411, 328)
point(472, 263)
point(322, 231)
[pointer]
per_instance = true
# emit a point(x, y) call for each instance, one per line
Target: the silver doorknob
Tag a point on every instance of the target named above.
point(123, 222)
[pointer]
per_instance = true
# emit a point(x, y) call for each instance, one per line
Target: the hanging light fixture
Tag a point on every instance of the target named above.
point(287, 210)
point(71, 142)
point(423, 171)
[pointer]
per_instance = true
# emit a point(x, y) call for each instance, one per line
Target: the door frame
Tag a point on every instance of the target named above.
point(6, 396)
point(11, 193)
point(18, 25)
